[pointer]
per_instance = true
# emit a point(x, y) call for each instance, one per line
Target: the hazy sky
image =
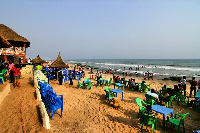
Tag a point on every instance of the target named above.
point(106, 29)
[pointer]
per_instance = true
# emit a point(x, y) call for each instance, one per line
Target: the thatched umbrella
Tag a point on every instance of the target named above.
point(38, 60)
point(58, 63)
point(12, 37)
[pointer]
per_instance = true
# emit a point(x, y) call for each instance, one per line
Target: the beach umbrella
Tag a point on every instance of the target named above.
point(38, 60)
point(58, 63)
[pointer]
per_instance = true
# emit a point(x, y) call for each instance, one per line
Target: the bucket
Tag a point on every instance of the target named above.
point(116, 101)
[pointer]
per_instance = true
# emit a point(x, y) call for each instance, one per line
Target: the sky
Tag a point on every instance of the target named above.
point(106, 29)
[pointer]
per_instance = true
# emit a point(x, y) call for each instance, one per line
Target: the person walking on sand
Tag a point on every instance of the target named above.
point(193, 84)
point(183, 83)
point(17, 74)
point(10, 66)
point(60, 76)
point(70, 77)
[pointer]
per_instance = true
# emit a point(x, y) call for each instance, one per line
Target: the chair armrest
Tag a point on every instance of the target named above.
point(177, 115)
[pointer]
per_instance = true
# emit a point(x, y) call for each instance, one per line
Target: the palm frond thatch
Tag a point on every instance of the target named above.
point(38, 60)
point(58, 63)
point(4, 43)
point(12, 37)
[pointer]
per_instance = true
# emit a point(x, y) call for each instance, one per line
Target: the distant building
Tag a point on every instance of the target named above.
point(12, 45)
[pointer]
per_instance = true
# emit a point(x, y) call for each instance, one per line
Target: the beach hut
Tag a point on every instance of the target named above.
point(38, 60)
point(58, 63)
point(12, 44)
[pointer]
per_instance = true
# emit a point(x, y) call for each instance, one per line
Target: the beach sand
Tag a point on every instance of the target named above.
point(84, 110)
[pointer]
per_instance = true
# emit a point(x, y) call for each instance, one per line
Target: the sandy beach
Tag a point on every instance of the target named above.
point(85, 110)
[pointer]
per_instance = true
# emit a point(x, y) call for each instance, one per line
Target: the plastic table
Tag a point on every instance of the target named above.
point(85, 82)
point(104, 80)
point(119, 84)
point(118, 91)
point(162, 110)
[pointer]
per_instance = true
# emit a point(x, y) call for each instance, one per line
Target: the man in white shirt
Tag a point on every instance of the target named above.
point(183, 83)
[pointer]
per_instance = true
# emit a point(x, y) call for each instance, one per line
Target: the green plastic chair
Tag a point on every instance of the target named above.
point(177, 93)
point(184, 99)
point(148, 87)
point(143, 87)
point(38, 67)
point(99, 82)
point(148, 120)
point(142, 105)
point(131, 86)
point(109, 83)
point(86, 79)
point(177, 120)
point(80, 85)
point(150, 99)
point(89, 85)
point(170, 101)
point(109, 94)
point(3, 75)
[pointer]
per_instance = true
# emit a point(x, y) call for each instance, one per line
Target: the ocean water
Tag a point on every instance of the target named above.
point(163, 67)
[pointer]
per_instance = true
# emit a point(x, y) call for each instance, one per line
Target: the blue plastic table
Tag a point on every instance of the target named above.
point(162, 110)
point(119, 84)
point(118, 91)
point(104, 80)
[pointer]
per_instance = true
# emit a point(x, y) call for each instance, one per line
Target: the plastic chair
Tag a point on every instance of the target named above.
point(143, 87)
point(184, 99)
point(80, 85)
point(150, 99)
point(148, 87)
point(99, 82)
point(131, 86)
point(148, 120)
point(109, 83)
point(54, 103)
point(89, 85)
point(86, 79)
point(170, 101)
point(109, 94)
point(177, 120)
point(3, 75)
point(142, 105)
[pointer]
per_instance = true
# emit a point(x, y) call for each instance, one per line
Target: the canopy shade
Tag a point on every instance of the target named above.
point(38, 60)
point(12, 37)
point(58, 63)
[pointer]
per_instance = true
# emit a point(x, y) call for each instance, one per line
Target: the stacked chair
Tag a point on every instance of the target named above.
point(51, 100)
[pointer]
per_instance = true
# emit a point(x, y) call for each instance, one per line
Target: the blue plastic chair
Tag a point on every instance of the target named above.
point(55, 102)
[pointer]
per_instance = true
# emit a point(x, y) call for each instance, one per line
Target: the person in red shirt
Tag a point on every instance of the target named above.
point(17, 74)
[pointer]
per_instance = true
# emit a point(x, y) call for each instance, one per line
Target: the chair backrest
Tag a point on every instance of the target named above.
point(106, 88)
point(86, 79)
point(3, 72)
point(139, 102)
point(147, 119)
point(89, 84)
point(110, 81)
point(183, 118)
point(172, 97)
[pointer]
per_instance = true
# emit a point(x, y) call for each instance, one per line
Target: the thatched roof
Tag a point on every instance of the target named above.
point(12, 37)
point(4, 43)
point(38, 60)
point(58, 63)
